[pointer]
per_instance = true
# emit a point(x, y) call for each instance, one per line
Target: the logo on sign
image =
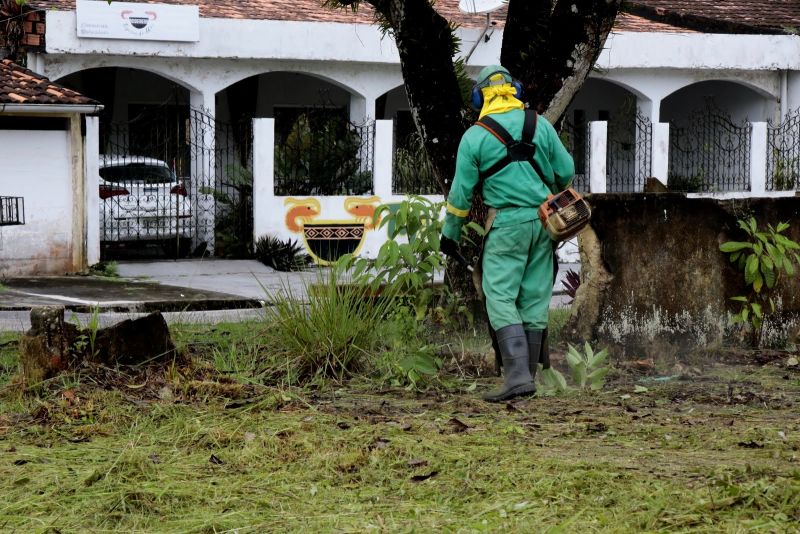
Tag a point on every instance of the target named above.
point(138, 23)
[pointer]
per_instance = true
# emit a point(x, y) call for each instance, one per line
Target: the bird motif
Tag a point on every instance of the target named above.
point(302, 211)
point(363, 209)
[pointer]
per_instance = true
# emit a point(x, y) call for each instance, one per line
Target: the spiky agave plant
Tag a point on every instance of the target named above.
point(281, 255)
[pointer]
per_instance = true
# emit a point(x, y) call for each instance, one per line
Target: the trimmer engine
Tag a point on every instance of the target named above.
point(565, 214)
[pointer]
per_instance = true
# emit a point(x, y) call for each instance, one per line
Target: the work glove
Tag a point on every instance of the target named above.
point(448, 247)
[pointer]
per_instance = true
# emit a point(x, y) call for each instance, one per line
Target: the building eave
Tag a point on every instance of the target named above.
point(51, 109)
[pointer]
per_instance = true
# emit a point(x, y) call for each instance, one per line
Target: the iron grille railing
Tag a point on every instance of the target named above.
point(12, 211)
point(224, 198)
point(629, 154)
point(709, 152)
point(412, 171)
point(783, 154)
point(326, 157)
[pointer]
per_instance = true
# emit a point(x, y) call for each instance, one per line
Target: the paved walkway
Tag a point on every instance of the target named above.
point(208, 290)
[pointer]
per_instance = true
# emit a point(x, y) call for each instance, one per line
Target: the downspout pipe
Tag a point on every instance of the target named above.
point(784, 94)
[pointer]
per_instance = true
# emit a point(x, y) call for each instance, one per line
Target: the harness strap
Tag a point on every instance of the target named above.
point(502, 135)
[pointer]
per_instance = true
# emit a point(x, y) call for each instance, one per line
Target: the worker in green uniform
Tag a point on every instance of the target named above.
point(517, 262)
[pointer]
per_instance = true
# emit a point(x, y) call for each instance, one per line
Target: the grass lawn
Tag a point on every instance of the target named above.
point(714, 447)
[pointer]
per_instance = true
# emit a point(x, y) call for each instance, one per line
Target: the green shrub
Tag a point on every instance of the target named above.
point(281, 255)
point(587, 367)
point(409, 360)
point(321, 155)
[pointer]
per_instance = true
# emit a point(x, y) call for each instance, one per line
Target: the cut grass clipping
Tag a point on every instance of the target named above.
point(361, 462)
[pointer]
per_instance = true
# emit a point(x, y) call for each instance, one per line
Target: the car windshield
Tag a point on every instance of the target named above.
point(137, 172)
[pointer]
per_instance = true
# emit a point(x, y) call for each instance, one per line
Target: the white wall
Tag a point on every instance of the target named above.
point(596, 95)
point(44, 244)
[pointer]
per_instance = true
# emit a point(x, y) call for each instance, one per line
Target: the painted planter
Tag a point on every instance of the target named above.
point(327, 241)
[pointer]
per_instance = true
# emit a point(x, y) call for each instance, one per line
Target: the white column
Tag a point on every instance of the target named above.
point(384, 159)
point(202, 167)
point(359, 112)
point(660, 153)
point(784, 74)
point(91, 173)
point(263, 174)
point(758, 159)
point(204, 140)
point(598, 151)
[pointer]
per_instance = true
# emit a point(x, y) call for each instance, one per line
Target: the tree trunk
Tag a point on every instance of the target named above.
point(53, 345)
point(426, 44)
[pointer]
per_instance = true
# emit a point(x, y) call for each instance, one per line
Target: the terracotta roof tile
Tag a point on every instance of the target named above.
point(627, 22)
point(19, 85)
point(722, 16)
point(298, 10)
point(641, 15)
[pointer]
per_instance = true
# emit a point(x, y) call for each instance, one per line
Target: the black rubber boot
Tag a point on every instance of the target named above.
point(517, 381)
point(536, 339)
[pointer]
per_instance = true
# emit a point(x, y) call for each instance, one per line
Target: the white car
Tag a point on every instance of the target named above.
point(142, 201)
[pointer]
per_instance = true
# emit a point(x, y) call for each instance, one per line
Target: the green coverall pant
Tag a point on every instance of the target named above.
point(518, 275)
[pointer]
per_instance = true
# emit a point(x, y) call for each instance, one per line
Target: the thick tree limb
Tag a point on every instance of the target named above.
point(526, 36)
point(553, 53)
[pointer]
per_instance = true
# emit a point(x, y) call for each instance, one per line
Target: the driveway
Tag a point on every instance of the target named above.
point(188, 291)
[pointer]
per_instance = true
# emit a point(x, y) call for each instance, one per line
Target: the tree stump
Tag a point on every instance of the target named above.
point(52, 345)
point(45, 348)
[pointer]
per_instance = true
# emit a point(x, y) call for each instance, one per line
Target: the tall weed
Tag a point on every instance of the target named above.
point(331, 334)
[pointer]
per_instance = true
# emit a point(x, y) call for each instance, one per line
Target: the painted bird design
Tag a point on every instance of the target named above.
point(363, 209)
point(302, 211)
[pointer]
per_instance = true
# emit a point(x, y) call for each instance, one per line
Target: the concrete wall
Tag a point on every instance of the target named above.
point(653, 277)
point(38, 165)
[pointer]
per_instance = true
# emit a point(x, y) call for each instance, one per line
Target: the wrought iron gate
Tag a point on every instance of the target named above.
point(175, 182)
point(709, 153)
point(783, 154)
point(629, 153)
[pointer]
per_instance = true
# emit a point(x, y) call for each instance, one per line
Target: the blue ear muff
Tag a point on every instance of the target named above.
point(476, 98)
point(518, 87)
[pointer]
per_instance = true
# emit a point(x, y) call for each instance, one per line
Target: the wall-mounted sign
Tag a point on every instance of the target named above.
point(138, 22)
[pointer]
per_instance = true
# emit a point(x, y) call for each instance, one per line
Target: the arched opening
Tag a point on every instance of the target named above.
point(710, 134)
point(629, 146)
point(147, 206)
point(738, 101)
point(321, 148)
point(152, 109)
point(412, 172)
point(282, 96)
